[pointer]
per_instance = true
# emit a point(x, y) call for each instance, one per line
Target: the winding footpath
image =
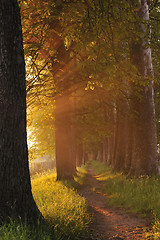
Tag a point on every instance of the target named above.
point(110, 223)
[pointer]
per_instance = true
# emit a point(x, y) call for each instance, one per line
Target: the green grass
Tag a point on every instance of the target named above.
point(64, 210)
point(15, 230)
point(80, 179)
point(62, 207)
point(140, 195)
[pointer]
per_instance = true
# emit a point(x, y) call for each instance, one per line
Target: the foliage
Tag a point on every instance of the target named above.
point(155, 233)
point(42, 42)
point(41, 130)
point(103, 33)
point(99, 167)
point(61, 206)
point(92, 120)
point(97, 35)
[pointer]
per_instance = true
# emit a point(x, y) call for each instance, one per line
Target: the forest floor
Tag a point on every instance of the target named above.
point(108, 222)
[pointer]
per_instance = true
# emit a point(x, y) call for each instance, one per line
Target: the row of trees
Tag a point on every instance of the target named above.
point(93, 59)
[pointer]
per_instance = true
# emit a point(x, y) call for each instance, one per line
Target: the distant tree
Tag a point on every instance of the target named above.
point(120, 134)
point(16, 198)
point(41, 129)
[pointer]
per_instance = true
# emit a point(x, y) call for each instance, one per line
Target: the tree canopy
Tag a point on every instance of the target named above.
point(91, 52)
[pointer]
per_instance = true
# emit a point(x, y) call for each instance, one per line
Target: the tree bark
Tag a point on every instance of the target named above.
point(104, 150)
point(85, 155)
point(144, 147)
point(100, 153)
point(128, 146)
point(79, 154)
point(111, 140)
point(15, 188)
point(119, 154)
point(65, 138)
point(109, 150)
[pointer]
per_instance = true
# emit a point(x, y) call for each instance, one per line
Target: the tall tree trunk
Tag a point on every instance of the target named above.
point(85, 154)
point(100, 153)
point(119, 154)
point(128, 145)
point(111, 139)
point(104, 150)
point(144, 151)
point(109, 150)
point(79, 154)
point(15, 189)
point(64, 138)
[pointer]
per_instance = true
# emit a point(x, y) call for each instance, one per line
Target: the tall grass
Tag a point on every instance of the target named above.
point(63, 208)
point(137, 194)
point(16, 230)
point(80, 178)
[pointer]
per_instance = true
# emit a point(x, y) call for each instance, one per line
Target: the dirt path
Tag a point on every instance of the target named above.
point(108, 222)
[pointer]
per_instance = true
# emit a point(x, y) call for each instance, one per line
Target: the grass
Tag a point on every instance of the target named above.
point(63, 208)
point(80, 179)
point(139, 195)
point(15, 230)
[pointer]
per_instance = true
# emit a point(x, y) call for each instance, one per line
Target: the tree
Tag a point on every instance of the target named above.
point(15, 188)
point(155, 45)
point(65, 138)
point(104, 37)
point(142, 126)
point(47, 49)
point(120, 135)
point(40, 129)
point(144, 138)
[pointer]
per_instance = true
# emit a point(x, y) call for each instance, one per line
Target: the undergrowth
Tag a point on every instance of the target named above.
point(140, 195)
point(80, 178)
point(64, 210)
point(62, 207)
point(16, 230)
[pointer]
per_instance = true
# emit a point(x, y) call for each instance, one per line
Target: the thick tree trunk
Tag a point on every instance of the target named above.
point(111, 141)
point(15, 189)
point(85, 155)
point(109, 150)
point(144, 147)
point(104, 150)
point(64, 138)
point(128, 146)
point(79, 154)
point(100, 153)
point(119, 154)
